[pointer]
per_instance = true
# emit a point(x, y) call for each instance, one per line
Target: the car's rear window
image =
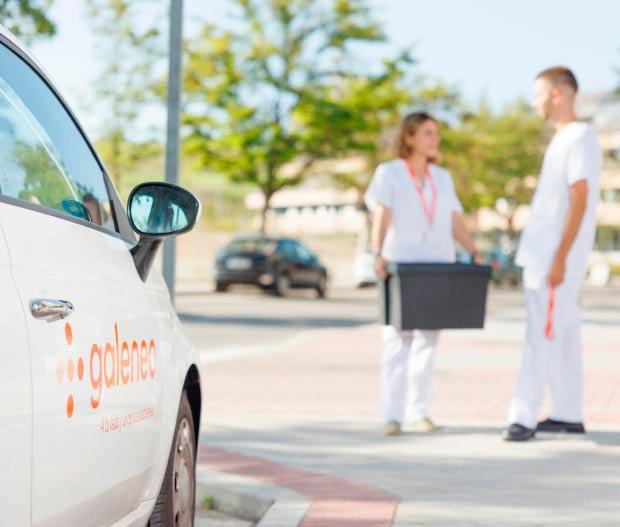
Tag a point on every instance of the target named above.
point(251, 246)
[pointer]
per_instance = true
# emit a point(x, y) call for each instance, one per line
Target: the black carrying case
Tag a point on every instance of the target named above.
point(434, 296)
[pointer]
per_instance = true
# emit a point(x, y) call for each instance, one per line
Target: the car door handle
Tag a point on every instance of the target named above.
point(50, 309)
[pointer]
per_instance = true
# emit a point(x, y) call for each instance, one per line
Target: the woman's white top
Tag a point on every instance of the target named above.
point(410, 237)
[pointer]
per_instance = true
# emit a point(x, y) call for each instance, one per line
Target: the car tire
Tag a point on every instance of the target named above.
point(321, 287)
point(221, 287)
point(282, 285)
point(175, 503)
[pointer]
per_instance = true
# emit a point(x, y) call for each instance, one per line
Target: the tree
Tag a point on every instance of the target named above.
point(490, 156)
point(27, 19)
point(268, 98)
point(376, 107)
point(129, 50)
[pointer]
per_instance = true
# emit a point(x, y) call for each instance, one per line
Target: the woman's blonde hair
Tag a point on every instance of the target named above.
point(408, 127)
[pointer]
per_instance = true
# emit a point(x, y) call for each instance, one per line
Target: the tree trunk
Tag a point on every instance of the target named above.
point(263, 219)
point(511, 231)
point(361, 206)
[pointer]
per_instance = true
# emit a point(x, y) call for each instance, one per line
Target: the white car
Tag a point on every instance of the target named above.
point(100, 394)
point(364, 273)
point(364, 264)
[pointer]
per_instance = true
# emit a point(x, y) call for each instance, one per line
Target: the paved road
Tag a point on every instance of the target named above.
point(299, 393)
point(247, 317)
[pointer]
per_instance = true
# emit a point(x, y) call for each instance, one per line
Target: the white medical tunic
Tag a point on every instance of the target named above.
point(407, 358)
point(411, 237)
point(573, 155)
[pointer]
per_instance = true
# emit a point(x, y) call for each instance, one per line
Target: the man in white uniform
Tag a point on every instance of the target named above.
point(553, 252)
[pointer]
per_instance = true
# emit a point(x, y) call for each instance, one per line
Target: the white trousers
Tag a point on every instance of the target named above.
point(556, 363)
point(406, 373)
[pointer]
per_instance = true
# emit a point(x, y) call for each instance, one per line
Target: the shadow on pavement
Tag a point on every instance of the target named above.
point(604, 438)
point(309, 322)
point(599, 437)
point(456, 467)
point(368, 434)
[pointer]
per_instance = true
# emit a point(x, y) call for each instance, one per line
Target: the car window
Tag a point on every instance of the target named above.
point(287, 250)
point(44, 159)
point(303, 253)
point(250, 246)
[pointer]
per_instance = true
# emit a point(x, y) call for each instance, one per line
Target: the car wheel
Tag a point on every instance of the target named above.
point(175, 503)
point(321, 287)
point(221, 287)
point(282, 285)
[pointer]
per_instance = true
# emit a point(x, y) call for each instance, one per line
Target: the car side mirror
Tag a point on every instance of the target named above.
point(158, 211)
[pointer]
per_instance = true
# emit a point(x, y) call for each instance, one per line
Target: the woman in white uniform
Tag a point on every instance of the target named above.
point(416, 218)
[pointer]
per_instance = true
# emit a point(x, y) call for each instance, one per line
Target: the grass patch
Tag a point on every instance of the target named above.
point(207, 503)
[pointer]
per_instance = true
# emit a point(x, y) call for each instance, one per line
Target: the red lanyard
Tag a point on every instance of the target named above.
point(429, 210)
point(549, 331)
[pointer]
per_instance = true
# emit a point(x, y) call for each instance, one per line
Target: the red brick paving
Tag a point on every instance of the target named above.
point(334, 502)
point(335, 375)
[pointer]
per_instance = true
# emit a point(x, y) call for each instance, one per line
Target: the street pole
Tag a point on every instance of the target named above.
point(173, 125)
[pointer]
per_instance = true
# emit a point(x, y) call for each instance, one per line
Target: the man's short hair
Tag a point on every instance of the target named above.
point(560, 76)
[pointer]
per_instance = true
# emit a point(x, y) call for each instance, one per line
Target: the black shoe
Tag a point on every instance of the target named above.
point(517, 432)
point(551, 425)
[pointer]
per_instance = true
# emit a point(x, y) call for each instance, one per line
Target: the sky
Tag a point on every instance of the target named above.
point(489, 49)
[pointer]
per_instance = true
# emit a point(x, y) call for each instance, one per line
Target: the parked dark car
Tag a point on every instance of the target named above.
point(505, 270)
point(275, 264)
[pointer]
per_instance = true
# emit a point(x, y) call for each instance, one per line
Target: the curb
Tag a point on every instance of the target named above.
point(250, 500)
point(302, 497)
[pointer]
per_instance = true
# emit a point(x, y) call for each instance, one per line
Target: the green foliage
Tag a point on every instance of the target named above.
point(607, 238)
point(207, 503)
point(123, 157)
point(27, 19)
point(375, 110)
point(490, 155)
point(129, 50)
point(267, 99)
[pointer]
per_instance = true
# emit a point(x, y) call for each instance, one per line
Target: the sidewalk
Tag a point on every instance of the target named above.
point(305, 417)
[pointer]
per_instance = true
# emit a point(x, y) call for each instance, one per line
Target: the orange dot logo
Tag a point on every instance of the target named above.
point(70, 369)
point(68, 333)
point(80, 368)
